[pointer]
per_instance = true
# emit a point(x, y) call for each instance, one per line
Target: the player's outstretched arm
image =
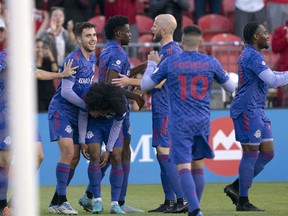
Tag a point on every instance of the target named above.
point(111, 74)
point(124, 81)
point(46, 75)
point(138, 69)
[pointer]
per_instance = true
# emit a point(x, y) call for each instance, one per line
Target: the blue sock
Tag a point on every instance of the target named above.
point(263, 159)
point(71, 174)
point(3, 182)
point(126, 170)
point(188, 188)
point(95, 176)
point(167, 188)
point(246, 172)
point(198, 177)
point(62, 173)
point(116, 180)
point(103, 169)
point(173, 177)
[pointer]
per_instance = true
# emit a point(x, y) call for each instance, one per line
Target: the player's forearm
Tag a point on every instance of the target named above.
point(45, 75)
point(147, 83)
point(68, 93)
point(274, 80)
point(82, 125)
point(114, 134)
point(138, 69)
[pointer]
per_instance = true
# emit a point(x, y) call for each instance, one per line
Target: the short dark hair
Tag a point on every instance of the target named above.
point(113, 24)
point(249, 31)
point(192, 30)
point(82, 25)
point(105, 96)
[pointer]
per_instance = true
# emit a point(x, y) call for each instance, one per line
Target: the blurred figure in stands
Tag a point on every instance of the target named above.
point(44, 60)
point(60, 40)
point(201, 8)
point(246, 11)
point(40, 16)
point(280, 46)
point(277, 12)
point(2, 34)
point(173, 7)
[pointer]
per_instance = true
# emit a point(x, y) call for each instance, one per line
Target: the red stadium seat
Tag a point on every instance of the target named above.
point(134, 62)
point(212, 24)
point(146, 48)
point(144, 24)
point(186, 21)
point(227, 48)
point(99, 21)
point(228, 7)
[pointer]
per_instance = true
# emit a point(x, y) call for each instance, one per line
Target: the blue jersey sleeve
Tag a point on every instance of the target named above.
point(117, 62)
point(160, 73)
point(220, 75)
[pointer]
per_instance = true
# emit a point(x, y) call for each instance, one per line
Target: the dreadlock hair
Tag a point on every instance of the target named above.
point(82, 25)
point(104, 96)
point(113, 25)
point(249, 31)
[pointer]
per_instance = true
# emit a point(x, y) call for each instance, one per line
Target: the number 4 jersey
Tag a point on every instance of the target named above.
point(190, 78)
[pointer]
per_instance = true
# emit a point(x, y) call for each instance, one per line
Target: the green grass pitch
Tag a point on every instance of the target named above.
point(271, 196)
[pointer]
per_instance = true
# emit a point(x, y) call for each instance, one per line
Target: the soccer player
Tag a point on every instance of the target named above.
point(64, 110)
point(107, 108)
point(4, 133)
point(163, 28)
point(252, 127)
point(189, 77)
point(112, 62)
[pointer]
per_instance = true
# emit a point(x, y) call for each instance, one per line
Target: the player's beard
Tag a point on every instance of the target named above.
point(157, 37)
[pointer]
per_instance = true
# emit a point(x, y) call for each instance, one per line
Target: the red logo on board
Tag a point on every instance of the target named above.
point(227, 150)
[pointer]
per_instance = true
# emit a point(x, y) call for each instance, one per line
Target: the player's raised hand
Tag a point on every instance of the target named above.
point(68, 69)
point(154, 56)
point(122, 81)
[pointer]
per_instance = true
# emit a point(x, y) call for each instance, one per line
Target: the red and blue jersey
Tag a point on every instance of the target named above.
point(113, 57)
point(190, 78)
point(160, 103)
point(82, 81)
point(252, 91)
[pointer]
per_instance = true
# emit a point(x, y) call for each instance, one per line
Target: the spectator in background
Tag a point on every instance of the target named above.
point(75, 10)
point(277, 12)
point(173, 7)
point(246, 11)
point(93, 4)
point(41, 16)
point(44, 60)
point(280, 46)
point(201, 8)
point(2, 33)
point(123, 8)
point(60, 40)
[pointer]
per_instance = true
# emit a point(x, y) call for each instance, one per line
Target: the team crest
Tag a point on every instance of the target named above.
point(257, 134)
point(89, 135)
point(118, 62)
point(263, 63)
point(8, 140)
point(68, 129)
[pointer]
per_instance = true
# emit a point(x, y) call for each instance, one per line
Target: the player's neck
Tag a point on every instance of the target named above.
point(165, 41)
point(85, 54)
